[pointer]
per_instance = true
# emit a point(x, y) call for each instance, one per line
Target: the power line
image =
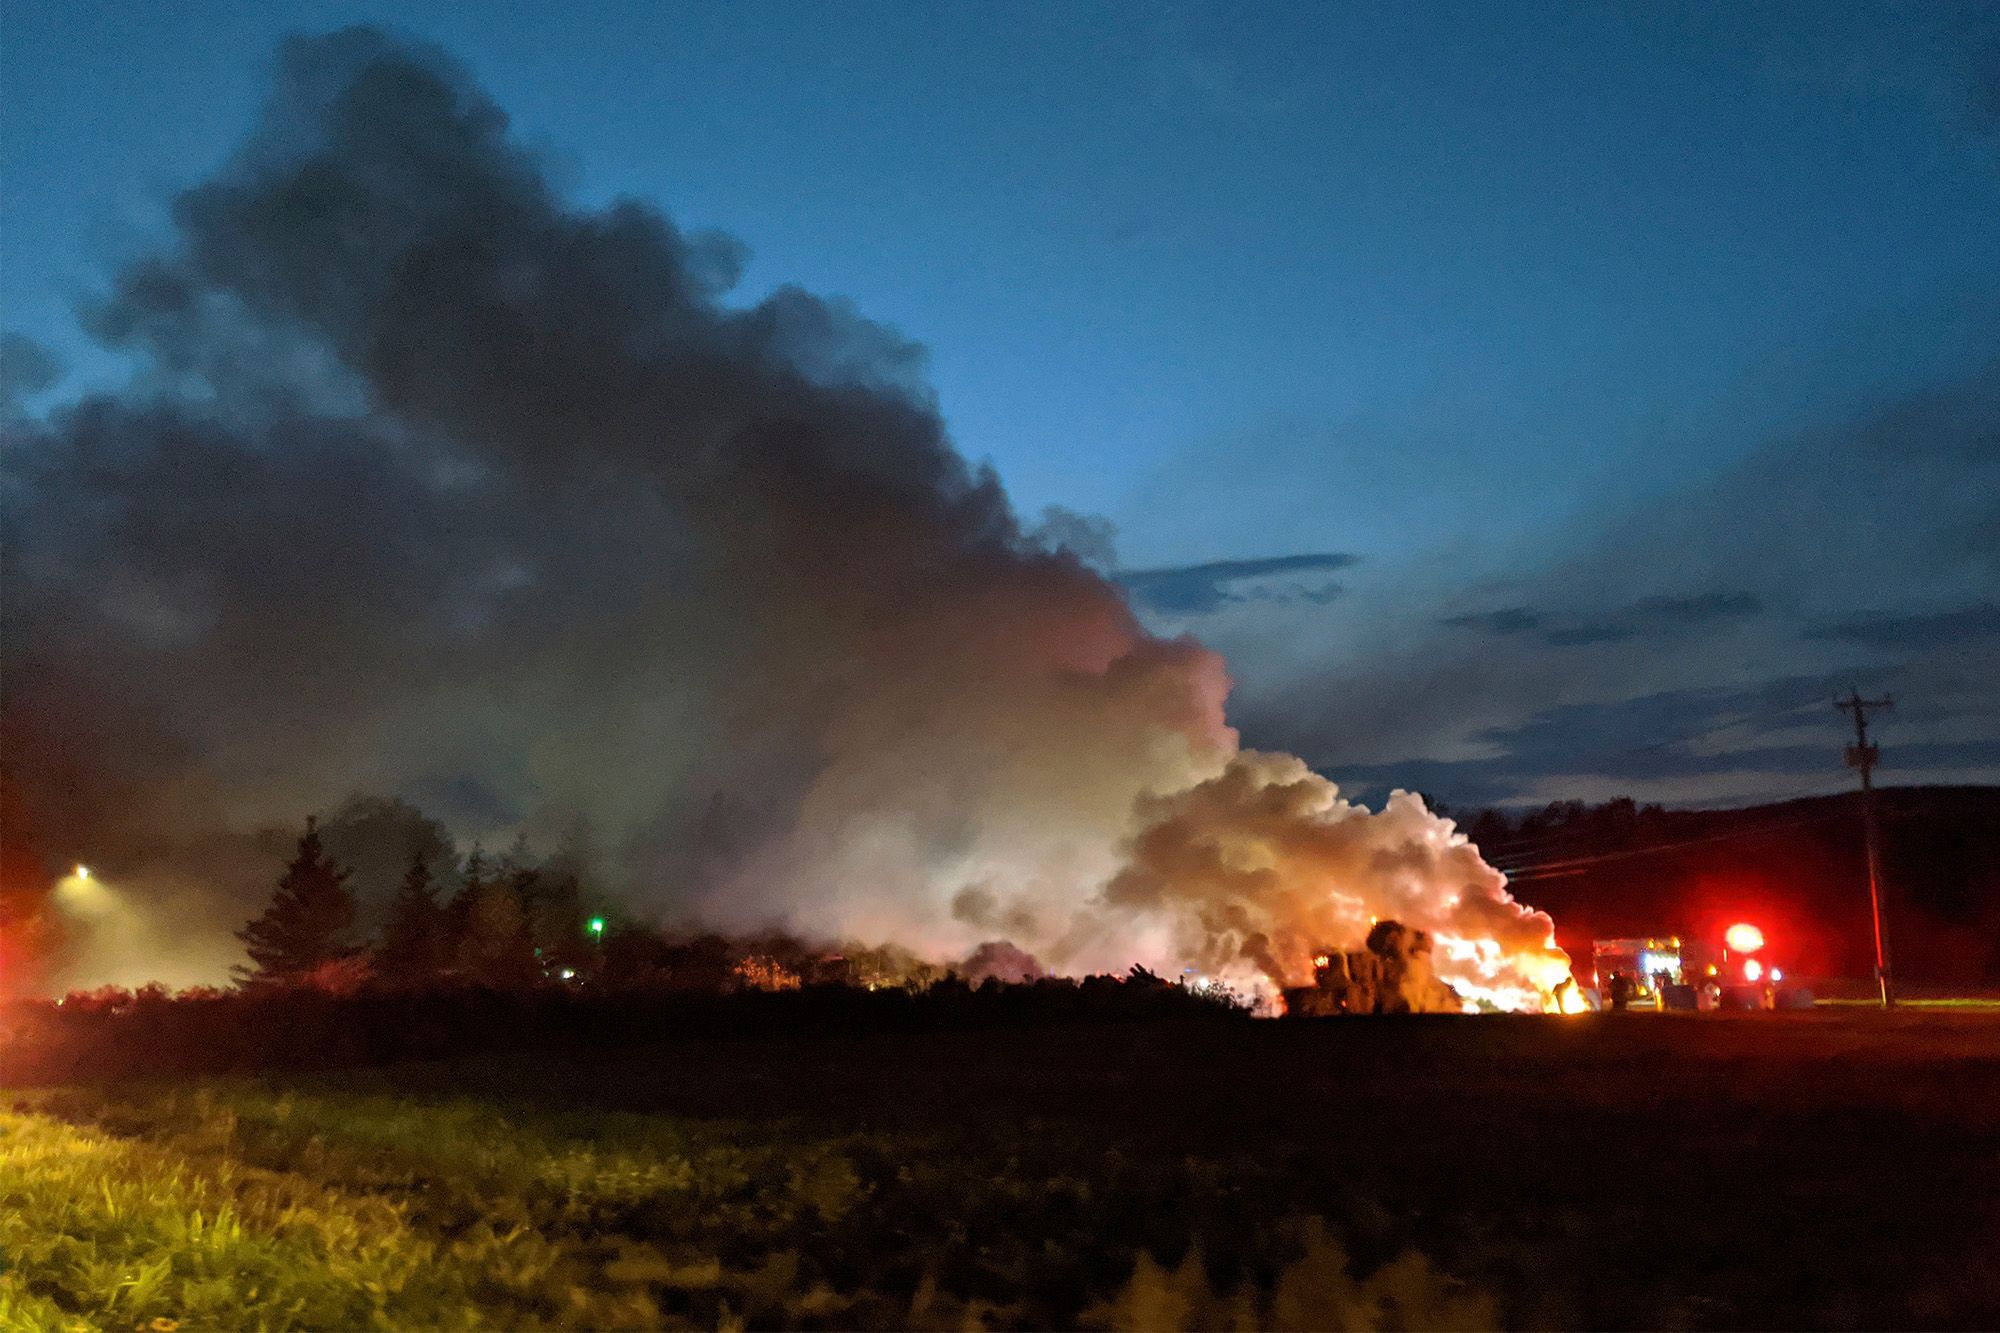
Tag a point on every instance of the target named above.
point(1530, 855)
point(1739, 720)
point(1577, 864)
point(1535, 844)
point(1508, 848)
point(1647, 850)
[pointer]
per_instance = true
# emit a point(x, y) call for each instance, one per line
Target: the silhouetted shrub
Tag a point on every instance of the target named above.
point(113, 1033)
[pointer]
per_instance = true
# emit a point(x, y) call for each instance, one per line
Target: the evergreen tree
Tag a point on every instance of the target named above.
point(556, 921)
point(496, 949)
point(310, 912)
point(575, 856)
point(557, 914)
point(416, 940)
point(458, 911)
point(517, 859)
point(491, 941)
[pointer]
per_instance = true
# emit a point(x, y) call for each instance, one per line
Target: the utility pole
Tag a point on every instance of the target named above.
point(1862, 755)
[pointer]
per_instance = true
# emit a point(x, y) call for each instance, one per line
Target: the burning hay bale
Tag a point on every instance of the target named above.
point(1391, 975)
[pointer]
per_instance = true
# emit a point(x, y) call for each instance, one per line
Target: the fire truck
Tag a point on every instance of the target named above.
point(1670, 972)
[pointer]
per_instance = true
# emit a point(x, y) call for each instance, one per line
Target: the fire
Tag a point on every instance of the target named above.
point(1264, 868)
point(1491, 978)
point(760, 973)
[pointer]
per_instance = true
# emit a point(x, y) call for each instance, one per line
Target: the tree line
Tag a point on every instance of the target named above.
point(515, 924)
point(508, 925)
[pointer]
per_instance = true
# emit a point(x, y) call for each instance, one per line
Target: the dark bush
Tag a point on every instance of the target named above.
point(88, 1038)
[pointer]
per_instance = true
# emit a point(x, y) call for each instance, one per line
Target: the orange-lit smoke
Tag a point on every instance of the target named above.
point(1262, 866)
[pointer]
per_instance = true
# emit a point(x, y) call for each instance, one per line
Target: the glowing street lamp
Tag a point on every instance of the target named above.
point(83, 894)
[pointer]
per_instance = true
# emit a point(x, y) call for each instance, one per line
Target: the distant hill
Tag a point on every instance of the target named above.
point(1795, 868)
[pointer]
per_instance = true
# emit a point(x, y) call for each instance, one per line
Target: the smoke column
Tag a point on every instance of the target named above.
point(430, 483)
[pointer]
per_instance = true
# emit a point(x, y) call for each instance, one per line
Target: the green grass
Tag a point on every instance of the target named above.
point(1832, 1169)
point(102, 1232)
point(1969, 1003)
point(240, 1206)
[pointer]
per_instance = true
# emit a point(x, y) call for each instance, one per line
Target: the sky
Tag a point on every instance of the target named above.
point(1530, 402)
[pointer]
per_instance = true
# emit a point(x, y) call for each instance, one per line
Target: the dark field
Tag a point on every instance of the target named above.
point(1836, 1169)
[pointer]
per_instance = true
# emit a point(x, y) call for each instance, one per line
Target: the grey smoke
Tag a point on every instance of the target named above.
point(428, 483)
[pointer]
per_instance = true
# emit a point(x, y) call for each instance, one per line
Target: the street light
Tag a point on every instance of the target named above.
point(83, 894)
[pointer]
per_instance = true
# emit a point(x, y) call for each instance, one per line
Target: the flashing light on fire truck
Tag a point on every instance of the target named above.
point(1666, 972)
point(1743, 938)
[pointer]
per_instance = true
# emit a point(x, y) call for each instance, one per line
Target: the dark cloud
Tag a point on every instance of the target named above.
point(1696, 610)
point(1820, 555)
point(1648, 731)
point(1584, 633)
point(1510, 620)
point(1190, 590)
point(26, 368)
point(1680, 741)
point(1648, 615)
point(1937, 629)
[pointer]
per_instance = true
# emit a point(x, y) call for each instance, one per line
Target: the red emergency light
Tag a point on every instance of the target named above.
point(1743, 938)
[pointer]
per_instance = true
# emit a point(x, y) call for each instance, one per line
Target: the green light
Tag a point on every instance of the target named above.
point(597, 925)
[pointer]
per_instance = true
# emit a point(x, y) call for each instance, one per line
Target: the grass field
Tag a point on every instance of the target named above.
point(1980, 1002)
point(1837, 1169)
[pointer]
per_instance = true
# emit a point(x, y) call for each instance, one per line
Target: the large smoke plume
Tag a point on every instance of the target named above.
point(430, 483)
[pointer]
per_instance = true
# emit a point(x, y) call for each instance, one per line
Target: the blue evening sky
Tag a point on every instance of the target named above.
point(1433, 285)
